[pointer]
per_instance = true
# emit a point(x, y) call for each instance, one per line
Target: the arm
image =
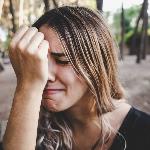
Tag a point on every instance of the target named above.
point(23, 120)
point(28, 55)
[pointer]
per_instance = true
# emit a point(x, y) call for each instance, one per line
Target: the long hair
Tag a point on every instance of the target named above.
point(92, 52)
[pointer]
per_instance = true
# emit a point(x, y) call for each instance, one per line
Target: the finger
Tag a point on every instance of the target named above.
point(18, 35)
point(35, 42)
point(42, 51)
point(25, 40)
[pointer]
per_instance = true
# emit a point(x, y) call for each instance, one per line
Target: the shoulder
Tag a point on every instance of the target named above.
point(137, 119)
point(132, 117)
point(140, 125)
point(136, 130)
point(1, 146)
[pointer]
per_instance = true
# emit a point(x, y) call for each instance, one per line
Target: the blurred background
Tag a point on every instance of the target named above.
point(129, 22)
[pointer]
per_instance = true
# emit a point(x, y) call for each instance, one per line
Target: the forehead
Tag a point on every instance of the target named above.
point(52, 37)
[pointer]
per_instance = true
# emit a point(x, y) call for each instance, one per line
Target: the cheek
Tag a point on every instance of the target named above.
point(66, 75)
point(75, 85)
point(70, 78)
point(72, 82)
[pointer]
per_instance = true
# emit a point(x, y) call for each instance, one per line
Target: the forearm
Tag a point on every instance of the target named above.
point(22, 125)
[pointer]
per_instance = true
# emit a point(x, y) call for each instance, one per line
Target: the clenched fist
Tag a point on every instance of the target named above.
point(28, 54)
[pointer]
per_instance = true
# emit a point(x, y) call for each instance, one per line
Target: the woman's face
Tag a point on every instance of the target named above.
point(64, 89)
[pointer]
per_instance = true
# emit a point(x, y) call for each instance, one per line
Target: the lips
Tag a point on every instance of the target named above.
point(52, 91)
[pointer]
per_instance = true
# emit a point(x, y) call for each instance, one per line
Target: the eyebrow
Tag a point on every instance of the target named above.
point(57, 54)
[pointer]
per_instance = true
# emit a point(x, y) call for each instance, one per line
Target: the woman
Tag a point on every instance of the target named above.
point(66, 68)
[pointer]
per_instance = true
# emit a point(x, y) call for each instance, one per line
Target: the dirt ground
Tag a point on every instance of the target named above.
point(135, 79)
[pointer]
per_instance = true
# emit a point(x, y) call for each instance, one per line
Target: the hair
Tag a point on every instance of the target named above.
point(92, 52)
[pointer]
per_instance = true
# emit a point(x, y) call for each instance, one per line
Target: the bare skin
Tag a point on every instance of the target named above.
point(21, 130)
point(28, 54)
point(89, 129)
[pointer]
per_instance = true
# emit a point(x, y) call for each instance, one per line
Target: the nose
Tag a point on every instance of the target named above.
point(51, 70)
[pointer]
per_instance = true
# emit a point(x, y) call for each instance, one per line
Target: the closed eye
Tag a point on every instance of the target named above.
point(60, 58)
point(62, 62)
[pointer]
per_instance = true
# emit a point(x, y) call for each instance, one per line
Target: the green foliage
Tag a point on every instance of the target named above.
point(92, 4)
point(128, 35)
point(130, 16)
point(149, 31)
point(6, 43)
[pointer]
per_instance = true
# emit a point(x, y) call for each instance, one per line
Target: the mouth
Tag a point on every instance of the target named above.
point(52, 91)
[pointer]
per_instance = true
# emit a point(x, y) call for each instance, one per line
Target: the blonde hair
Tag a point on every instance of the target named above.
point(92, 52)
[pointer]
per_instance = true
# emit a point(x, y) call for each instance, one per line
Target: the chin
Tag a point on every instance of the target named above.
point(52, 105)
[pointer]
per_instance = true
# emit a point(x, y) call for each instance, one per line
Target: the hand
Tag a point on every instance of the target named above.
point(28, 55)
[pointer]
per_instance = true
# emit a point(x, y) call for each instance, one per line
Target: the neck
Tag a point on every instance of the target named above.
point(84, 121)
point(82, 114)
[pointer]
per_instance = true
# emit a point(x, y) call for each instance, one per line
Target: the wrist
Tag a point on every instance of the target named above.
point(27, 92)
point(30, 87)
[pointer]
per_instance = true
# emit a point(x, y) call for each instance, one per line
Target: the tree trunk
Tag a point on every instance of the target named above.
point(135, 31)
point(122, 33)
point(99, 5)
point(1, 67)
point(138, 60)
point(11, 9)
point(142, 51)
point(141, 16)
point(145, 38)
point(55, 3)
point(46, 2)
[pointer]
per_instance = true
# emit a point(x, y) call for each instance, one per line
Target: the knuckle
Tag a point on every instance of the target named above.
point(40, 56)
point(40, 34)
point(46, 42)
point(28, 50)
point(34, 29)
point(20, 45)
point(28, 53)
point(37, 57)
